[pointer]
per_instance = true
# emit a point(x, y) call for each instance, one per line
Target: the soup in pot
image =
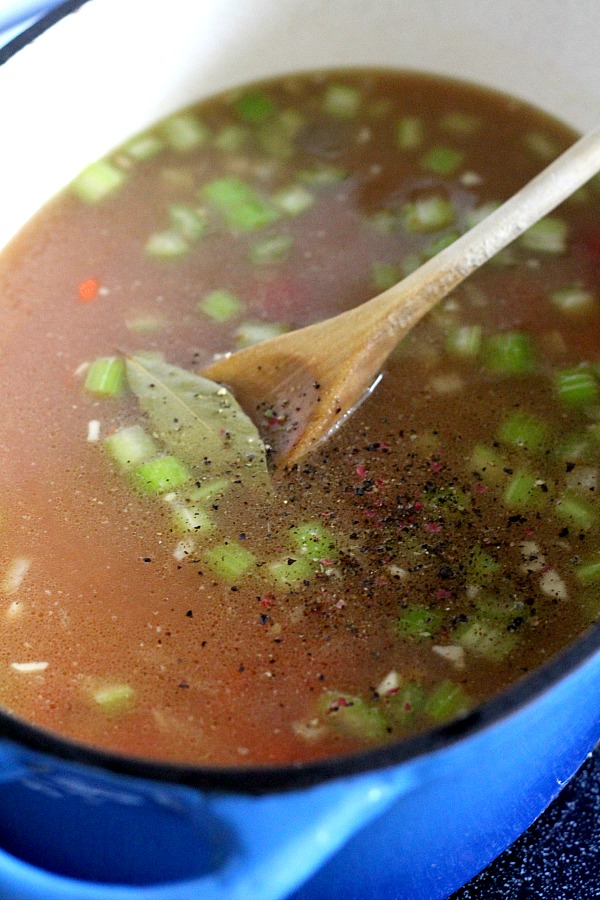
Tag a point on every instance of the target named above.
point(167, 590)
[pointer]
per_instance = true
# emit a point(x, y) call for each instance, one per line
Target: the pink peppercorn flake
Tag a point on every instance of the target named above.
point(433, 527)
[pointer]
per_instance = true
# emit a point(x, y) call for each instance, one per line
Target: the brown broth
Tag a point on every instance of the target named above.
point(250, 671)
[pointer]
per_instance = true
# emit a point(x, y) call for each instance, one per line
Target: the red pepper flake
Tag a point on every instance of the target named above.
point(89, 290)
point(433, 526)
point(528, 530)
point(327, 562)
point(480, 488)
point(442, 594)
point(340, 703)
point(361, 471)
point(435, 466)
point(267, 600)
point(418, 506)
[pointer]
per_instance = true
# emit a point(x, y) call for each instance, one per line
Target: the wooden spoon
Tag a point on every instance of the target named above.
point(307, 381)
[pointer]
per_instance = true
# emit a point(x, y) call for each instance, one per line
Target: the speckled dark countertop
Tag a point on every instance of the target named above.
point(558, 858)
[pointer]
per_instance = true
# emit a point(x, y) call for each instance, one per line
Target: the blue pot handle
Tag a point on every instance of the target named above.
point(274, 842)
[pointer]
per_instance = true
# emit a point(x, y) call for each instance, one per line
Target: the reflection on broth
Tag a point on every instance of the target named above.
point(163, 592)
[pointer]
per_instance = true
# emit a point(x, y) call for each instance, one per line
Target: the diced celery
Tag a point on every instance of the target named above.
point(291, 121)
point(162, 474)
point(190, 223)
point(184, 131)
point(322, 176)
point(541, 145)
point(427, 214)
point(97, 181)
point(230, 561)
point(482, 565)
point(243, 208)
point(106, 377)
point(522, 430)
point(573, 301)
point(254, 107)
point(342, 101)
point(354, 717)
point(384, 221)
point(442, 160)
point(313, 540)
point(114, 698)
point(384, 275)
point(207, 490)
point(460, 122)
point(271, 250)
point(509, 353)
point(577, 387)
point(294, 199)
point(232, 138)
point(549, 235)
point(220, 305)
point(576, 510)
point(292, 570)
point(576, 448)
point(446, 701)
point(483, 639)
point(166, 245)
point(406, 704)
point(410, 133)
point(464, 341)
point(144, 146)
point(488, 464)
point(420, 621)
point(588, 571)
point(250, 333)
point(192, 518)
point(149, 323)
point(523, 491)
point(131, 446)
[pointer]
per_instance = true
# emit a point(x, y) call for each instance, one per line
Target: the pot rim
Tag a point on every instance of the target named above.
point(267, 779)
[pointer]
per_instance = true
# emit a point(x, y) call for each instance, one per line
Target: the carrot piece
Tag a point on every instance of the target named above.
point(88, 290)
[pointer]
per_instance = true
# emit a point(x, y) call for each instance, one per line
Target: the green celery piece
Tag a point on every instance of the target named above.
point(523, 491)
point(342, 101)
point(254, 107)
point(190, 223)
point(184, 131)
point(130, 446)
point(249, 333)
point(407, 704)
point(486, 640)
point(322, 176)
point(220, 305)
point(446, 701)
point(577, 448)
point(426, 214)
point(442, 160)
point(191, 518)
point(292, 570)
point(232, 138)
point(199, 422)
point(482, 565)
point(460, 122)
point(242, 207)
point(353, 717)
point(541, 145)
point(160, 475)
point(271, 250)
point(588, 571)
point(106, 377)
point(577, 387)
point(489, 465)
point(294, 199)
point(410, 133)
point(168, 244)
point(275, 141)
point(522, 430)
point(144, 146)
point(420, 622)
point(97, 181)
point(313, 540)
point(230, 561)
point(573, 300)
point(549, 235)
point(113, 698)
point(464, 341)
point(575, 509)
point(509, 353)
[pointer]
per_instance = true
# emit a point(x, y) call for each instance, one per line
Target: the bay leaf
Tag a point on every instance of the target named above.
point(199, 421)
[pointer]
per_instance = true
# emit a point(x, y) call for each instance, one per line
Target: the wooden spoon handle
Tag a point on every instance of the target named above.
point(405, 303)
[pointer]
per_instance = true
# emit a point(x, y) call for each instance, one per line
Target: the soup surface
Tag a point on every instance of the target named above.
point(164, 593)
